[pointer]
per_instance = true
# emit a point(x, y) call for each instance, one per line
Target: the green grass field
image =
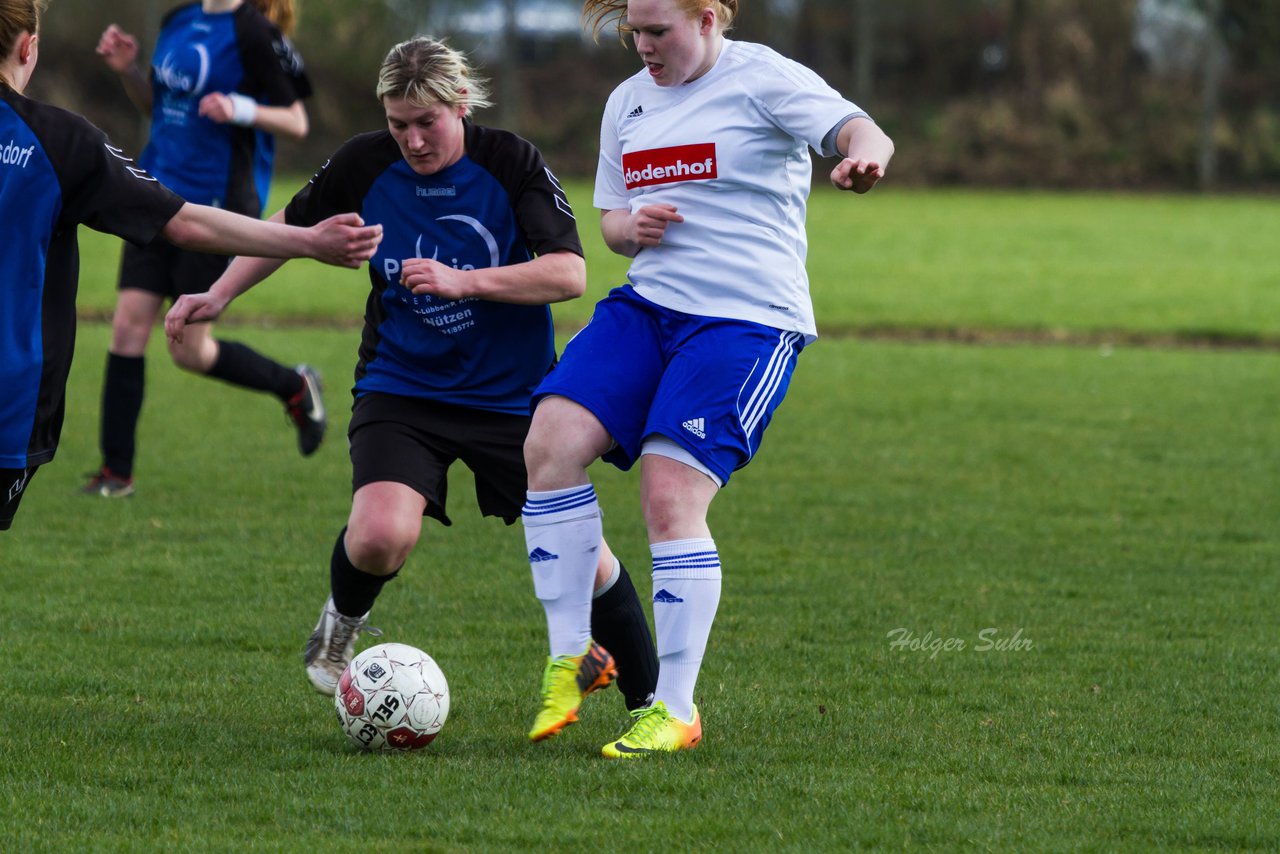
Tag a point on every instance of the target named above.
point(1127, 266)
point(1095, 524)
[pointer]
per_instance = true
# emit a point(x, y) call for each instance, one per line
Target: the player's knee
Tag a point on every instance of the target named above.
point(563, 440)
point(186, 359)
point(673, 509)
point(129, 336)
point(381, 545)
point(665, 516)
point(539, 459)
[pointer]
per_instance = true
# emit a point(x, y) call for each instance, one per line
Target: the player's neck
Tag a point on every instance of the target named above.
point(213, 7)
point(713, 54)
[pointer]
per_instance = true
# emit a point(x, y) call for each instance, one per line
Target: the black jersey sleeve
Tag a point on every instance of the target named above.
point(274, 73)
point(344, 180)
point(101, 186)
point(541, 207)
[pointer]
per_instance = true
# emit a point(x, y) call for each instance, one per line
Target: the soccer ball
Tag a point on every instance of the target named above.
point(392, 697)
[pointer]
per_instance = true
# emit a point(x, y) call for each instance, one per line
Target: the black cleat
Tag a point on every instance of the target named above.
point(306, 411)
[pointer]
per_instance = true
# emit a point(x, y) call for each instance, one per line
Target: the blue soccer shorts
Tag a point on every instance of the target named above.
point(709, 384)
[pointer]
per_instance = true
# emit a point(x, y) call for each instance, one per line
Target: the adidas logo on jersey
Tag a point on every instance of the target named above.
point(636, 113)
point(696, 426)
point(665, 595)
point(540, 554)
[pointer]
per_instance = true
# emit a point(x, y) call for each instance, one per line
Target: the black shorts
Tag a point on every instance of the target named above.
point(412, 441)
point(13, 485)
point(168, 270)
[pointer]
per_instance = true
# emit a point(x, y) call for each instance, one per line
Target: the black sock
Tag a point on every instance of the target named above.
point(619, 625)
point(122, 390)
point(241, 365)
point(353, 589)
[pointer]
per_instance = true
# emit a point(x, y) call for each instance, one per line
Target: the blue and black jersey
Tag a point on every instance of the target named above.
point(56, 171)
point(498, 205)
point(223, 165)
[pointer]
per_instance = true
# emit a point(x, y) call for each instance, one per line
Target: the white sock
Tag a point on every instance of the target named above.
point(562, 531)
point(686, 591)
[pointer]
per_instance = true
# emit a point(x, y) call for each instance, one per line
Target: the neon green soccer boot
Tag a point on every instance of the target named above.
point(565, 682)
point(656, 731)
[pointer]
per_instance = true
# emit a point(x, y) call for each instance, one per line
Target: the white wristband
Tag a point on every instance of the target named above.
point(243, 109)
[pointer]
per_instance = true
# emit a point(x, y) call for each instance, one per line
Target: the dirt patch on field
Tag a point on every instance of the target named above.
point(978, 336)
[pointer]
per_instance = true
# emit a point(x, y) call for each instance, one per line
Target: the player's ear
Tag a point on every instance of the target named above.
point(27, 47)
point(707, 22)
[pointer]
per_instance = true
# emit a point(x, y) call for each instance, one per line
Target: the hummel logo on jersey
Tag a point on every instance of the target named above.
point(696, 426)
point(665, 595)
point(141, 174)
point(540, 554)
point(17, 487)
point(636, 113)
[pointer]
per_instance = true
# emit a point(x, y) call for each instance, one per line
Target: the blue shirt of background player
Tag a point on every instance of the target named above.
point(498, 205)
point(197, 53)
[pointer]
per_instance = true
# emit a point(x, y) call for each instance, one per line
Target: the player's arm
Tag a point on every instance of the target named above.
point(553, 277)
point(626, 233)
point(242, 110)
point(241, 274)
point(343, 234)
point(119, 51)
point(284, 121)
point(343, 240)
point(866, 151)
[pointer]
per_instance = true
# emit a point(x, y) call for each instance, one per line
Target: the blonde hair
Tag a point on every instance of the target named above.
point(425, 71)
point(279, 12)
point(18, 17)
point(597, 14)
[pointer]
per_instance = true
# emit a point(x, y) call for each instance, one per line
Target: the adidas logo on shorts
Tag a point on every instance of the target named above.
point(696, 426)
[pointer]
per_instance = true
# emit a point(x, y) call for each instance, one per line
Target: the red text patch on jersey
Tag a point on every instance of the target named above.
point(668, 165)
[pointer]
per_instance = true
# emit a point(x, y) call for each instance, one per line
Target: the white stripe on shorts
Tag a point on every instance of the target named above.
point(758, 403)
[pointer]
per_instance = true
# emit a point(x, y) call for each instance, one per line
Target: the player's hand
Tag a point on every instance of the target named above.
point(216, 107)
point(118, 49)
point(856, 175)
point(191, 308)
point(427, 276)
point(647, 225)
point(344, 240)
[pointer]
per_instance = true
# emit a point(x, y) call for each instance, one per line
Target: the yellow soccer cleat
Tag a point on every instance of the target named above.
point(656, 731)
point(565, 682)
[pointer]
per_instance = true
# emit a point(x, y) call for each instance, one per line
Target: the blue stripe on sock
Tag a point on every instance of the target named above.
point(572, 501)
point(692, 560)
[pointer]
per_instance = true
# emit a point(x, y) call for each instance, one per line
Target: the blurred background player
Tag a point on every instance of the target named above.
point(703, 179)
point(479, 239)
point(62, 171)
point(224, 80)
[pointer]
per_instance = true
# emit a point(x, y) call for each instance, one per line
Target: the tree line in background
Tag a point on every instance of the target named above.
point(1169, 94)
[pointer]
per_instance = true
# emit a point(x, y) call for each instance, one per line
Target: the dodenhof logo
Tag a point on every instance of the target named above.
point(695, 162)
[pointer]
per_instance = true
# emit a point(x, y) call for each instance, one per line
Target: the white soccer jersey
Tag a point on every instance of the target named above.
point(729, 151)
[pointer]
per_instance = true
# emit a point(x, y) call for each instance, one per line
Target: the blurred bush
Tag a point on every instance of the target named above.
point(986, 92)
